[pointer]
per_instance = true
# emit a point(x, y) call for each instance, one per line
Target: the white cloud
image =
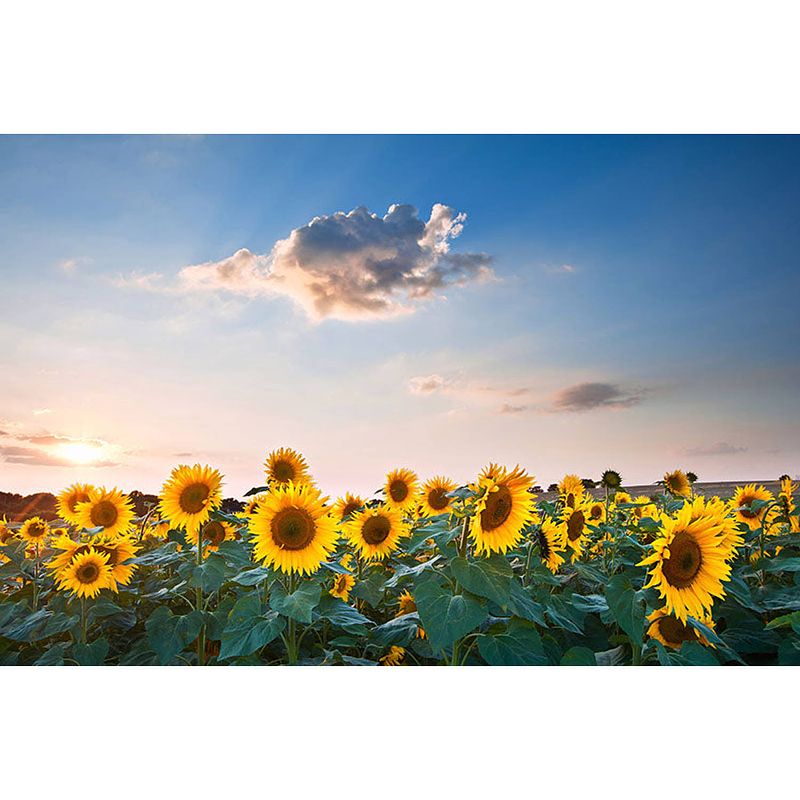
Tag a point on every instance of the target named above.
point(354, 265)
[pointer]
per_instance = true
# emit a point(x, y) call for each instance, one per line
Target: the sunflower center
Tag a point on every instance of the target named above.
point(73, 501)
point(438, 499)
point(350, 508)
point(36, 530)
point(571, 500)
point(111, 552)
point(746, 512)
point(376, 529)
point(498, 509)
point(283, 471)
point(193, 498)
point(544, 546)
point(675, 632)
point(88, 572)
point(214, 533)
point(596, 511)
point(575, 525)
point(292, 529)
point(104, 514)
point(684, 562)
point(398, 491)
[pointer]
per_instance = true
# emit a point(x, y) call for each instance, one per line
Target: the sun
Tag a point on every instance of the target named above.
point(81, 452)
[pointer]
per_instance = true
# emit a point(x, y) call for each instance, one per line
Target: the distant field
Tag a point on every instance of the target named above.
point(723, 489)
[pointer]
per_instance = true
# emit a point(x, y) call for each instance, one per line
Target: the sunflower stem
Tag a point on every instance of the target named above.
point(83, 620)
point(201, 636)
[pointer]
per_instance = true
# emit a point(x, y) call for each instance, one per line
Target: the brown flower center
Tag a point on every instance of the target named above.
point(79, 497)
point(398, 491)
point(350, 508)
point(104, 514)
point(575, 525)
point(376, 529)
point(36, 530)
point(498, 509)
point(438, 499)
point(88, 572)
point(544, 546)
point(193, 498)
point(214, 533)
point(283, 471)
point(571, 500)
point(675, 632)
point(112, 553)
point(746, 512)
point(684, 562)
point(292, 529)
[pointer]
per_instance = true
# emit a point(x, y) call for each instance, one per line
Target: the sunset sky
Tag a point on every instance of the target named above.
point(569, 303)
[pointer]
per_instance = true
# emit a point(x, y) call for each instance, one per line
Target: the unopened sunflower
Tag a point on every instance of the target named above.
point(401, 489)
point(677, 483)
point(108, 509)
point(342, 586)
point(286, 466)
point(742, 501)
point(503, 509)
point(67, 502)
point(292, 529)
point(688, 564)
point(376, 532)
point(189, 496)
point(86, 574)
point(673, 632)
point(434, 496)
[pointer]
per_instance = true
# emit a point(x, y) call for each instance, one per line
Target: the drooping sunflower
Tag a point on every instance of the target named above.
point(434, 496)
point(376, 532)
point(571, 490)
point(552, 540)
point(286, 466)
point(342, 585)
point(292, 529)
point(401, 489)
point(677, 483)
point(35, 530)
point(502, 510)
point(347, 505)
point(672, 632)
point(251, 505)
point(86, 574)
point(786, 496)
point(67, 501)
point(189, 496)
point(394, 657)
point(742, 499)
point(108, 509)
point(688, 563)
point(407, 605)
point(611, 479)
point(575, 521)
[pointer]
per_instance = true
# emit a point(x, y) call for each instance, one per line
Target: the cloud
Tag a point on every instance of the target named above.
point(718, 449)
point(589, 396)
point(508, 408)
point(53, 450)
point(472, 392)
point(31, 456)
point(351, 266)
point(69, 265)
point(427, 384)
point(39, 412)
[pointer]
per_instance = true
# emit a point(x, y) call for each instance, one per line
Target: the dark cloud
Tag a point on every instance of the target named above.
point(718, 449)
point(589, 396)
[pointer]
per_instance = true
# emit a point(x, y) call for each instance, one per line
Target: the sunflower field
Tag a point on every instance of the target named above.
point(425, 573)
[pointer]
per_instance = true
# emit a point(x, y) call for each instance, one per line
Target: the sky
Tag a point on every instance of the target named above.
point(568, 303)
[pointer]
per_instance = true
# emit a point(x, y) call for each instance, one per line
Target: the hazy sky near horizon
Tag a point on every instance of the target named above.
point(570, 303)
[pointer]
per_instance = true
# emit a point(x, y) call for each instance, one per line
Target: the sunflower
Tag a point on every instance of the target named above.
point(5, 532)
point(68, 547)
point(552, 540)
point(672, 632)
point(596, 511)
point(342, 585)
point(86, 574)
point(376, 532)
point(434, 496)
point(347, 505)
point(67, 501)
point(252, 504)
point(285, 466)
point(108, 509)
point(35, 531)
point(401, 489)
point(575, 526)
point(348, 561)
point(214, 533)
point(688, 563)
point(731, 538)
point(611, 479)
point(118, 549)
point(407, 605)
point(743, 498)
point(394, 657)
point(621, 497)
point(644, 507)
point(786, 499)
point(189, 496)
point(677, 483)
point(571, 490)
point(159, 530)
point(502, 511)
point(292, 529)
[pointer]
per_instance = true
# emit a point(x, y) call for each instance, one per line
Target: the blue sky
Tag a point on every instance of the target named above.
point(606, 301)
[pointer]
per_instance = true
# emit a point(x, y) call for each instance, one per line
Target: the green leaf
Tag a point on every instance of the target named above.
point(591, 603)
point(486, 577)
point(342, 615)
point(52, 657)
point(209, 575)
point(168, 634)
point(518, 644)
point(407, 572)
point(256, 490)
point(626, 607)
point(523, 605)
point(779, 564)
point(299, 604)
point(398, 631)
point(578, 657)
point(252, 577)
point(248, 630)
point(91, 655)
point(445, 616)
point(371, 587)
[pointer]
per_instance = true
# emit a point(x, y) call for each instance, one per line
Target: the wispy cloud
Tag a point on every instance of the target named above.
point(69, 265)
point(718, 449)
point(427, 384)
point(590, 396)
point(481, 393)
point(351, 266)
point(40, 412)
point(54, 450)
